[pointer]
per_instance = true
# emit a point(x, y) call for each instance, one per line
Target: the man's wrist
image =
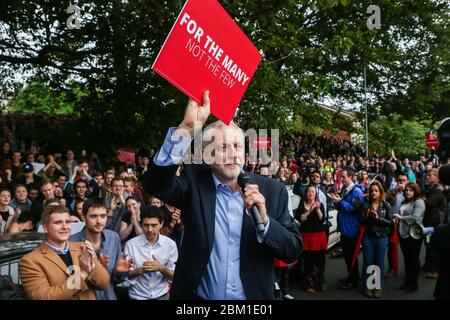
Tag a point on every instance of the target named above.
point(182, 128)
point(84, 274)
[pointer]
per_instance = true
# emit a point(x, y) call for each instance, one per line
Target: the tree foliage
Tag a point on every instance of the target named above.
point(405, 137)
point(313, 51)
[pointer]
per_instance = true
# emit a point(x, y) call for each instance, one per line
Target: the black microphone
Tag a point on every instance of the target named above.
point(243, 181)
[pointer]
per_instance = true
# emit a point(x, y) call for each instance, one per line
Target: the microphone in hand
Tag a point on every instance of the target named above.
point(243, 181)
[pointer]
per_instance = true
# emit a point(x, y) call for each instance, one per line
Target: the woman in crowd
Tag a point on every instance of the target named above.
point(411, 212)
point(376, 219)
point(7, 213)
point(21, 200)
point(24, 223)
point(363, 181)
point(130, 225)
point(328, 180)
point(310, 214)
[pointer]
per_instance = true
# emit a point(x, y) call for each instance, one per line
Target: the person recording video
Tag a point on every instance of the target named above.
point(222, 256)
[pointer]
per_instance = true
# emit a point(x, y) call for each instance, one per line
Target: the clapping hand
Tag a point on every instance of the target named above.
point(124, 264)
point(104, 260)
point(87, 257)
point(176, 216)
point(152, 266)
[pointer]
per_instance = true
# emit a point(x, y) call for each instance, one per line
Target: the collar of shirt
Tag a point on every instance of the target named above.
point(222, 187)
point(83, 237)
point(59, 250)
point(145, 242)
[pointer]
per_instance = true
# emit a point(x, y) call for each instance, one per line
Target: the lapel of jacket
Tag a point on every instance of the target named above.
point(75, 252)
point(207, 191)
point(54, 258)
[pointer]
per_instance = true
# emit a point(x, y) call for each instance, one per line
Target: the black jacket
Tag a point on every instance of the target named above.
point(312, 223)
point(380, 227)
point(435, 207)
point(195, 194)
point(440, 243)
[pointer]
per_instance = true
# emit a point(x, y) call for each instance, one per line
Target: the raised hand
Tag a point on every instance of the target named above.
point(85, 261)
point(104, 260)
point(196, 113)
point(152, 266)
point(176, 216)
point(123, 264)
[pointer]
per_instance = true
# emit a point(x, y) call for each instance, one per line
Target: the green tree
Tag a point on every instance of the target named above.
point(38, 97)
point(313, 50)
point(405, 137)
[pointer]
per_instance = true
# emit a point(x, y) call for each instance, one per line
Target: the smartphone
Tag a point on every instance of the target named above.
point(130, 171)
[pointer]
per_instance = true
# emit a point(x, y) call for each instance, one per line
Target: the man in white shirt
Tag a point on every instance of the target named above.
point(154, 256)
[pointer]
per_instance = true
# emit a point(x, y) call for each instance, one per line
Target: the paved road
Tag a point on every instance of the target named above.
point(335, 269)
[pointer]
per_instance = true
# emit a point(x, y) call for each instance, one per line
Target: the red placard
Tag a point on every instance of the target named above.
point(126, 155)
point(206, 50)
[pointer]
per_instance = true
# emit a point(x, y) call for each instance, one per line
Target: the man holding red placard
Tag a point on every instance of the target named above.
point(221, 256)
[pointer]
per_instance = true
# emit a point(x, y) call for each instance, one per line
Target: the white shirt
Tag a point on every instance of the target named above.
point(150, 285)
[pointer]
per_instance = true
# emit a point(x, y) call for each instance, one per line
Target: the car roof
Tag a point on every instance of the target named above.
point(16, 245)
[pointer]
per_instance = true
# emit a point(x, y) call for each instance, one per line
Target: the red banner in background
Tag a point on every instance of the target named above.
point(126, 155)
point(261, 143)
point(431, 141)
point(206, 50)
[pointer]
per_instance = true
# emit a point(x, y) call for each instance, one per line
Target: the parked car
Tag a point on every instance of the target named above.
point(15, 246)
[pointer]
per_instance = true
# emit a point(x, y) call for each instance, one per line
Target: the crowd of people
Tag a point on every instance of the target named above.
point(136, 237)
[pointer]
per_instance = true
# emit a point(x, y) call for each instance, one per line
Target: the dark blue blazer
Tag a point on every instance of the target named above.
point(195, 194)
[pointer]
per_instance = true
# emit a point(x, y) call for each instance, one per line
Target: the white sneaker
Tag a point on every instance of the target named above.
point(287, 296)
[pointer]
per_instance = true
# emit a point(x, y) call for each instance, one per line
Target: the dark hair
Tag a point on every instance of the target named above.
point(5, 189)
point(414, 187)
point(44, 182)
point(20, 186)
point(82, 160)
point(349, 171)
point(306, 191)
point(50, 201)
point(92, 203)
point(80, 181)
point(116, 179)
point(97, 173)
point(132, 198)
point(315, 171)
point(25, 216)
point(153, 213)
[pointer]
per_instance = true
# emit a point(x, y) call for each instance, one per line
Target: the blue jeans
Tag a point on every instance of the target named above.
point(374, 253)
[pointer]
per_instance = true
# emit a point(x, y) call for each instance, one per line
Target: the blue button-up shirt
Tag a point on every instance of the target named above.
point(222, 281)
point(59, 250)
point(110, 246)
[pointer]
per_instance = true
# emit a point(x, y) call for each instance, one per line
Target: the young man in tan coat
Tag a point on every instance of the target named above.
point(59, 269)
